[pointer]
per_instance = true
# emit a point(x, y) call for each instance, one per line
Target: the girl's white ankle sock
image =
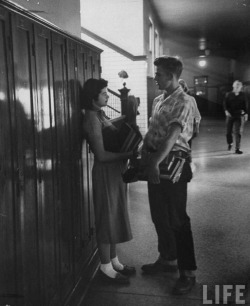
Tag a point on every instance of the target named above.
point(116, 264)
point(108, 270)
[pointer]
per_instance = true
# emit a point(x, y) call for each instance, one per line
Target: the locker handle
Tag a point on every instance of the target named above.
point(17, 182)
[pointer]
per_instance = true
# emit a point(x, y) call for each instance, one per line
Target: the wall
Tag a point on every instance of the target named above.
point(220, 70)
point(62, 13)
point(117, 21)
point(217, 70)
point(149, 15)
point(242, 69)
point(126, 25)
point(113, 62)
point(242, 72)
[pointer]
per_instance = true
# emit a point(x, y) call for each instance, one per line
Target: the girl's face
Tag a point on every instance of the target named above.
point(102, 98)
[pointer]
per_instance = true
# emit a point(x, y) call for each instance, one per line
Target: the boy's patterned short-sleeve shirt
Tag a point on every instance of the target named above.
point(176, 108)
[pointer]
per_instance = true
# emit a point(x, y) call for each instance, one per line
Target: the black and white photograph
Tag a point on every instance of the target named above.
point(124, 152)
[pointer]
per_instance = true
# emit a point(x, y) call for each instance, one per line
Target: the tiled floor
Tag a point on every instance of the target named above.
point(219, 206)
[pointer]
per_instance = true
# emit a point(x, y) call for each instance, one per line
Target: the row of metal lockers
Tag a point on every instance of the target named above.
point(46, 212)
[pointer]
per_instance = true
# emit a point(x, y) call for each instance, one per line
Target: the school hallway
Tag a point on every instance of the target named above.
point(219, 207)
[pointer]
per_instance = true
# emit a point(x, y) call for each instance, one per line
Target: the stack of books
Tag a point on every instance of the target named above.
point(128, 137)
point(170, 169)
point(121, 136)
point(173, 169)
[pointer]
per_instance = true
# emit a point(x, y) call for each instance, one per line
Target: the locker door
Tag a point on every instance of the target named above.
point(75, 149)
point(89, 158)
point(96, 65)
point(94, 59)
point(25, 155)
point(63, 171)
point(87, 219)
point(89, 65)
point(46, 151)
point(9, 278)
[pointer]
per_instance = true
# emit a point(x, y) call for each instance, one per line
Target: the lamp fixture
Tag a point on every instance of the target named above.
point(202, 63)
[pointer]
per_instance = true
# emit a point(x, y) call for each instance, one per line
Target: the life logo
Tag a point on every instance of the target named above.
point(224, 294)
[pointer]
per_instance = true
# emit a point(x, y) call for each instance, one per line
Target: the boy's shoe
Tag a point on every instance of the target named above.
point(157, 267)
point(184, 285)
point(238, 151)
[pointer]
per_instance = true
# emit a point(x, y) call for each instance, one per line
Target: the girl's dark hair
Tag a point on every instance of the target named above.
point(91, 90)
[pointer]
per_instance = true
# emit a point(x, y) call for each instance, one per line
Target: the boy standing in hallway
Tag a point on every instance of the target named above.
point(235, 106)
point(170, 129)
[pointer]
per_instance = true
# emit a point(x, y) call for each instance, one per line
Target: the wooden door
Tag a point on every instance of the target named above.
point(10, 279)
point(87, 219)
point(46, 211)
point(75, 134)
point(96, 69)
point(92, 65)
point(64, 211)
point(27, 209)
point(44, 114)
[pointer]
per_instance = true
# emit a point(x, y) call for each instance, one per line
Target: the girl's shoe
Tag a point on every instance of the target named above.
point(118, 279)
point(127, 271)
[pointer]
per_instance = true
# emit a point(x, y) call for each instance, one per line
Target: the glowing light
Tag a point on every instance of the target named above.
point(2, 96)
point(202, 63)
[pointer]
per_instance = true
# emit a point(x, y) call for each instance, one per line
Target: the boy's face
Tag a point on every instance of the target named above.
point(237, 86)
point(163, 78)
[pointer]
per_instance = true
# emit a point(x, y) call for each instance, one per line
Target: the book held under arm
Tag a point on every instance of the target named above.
point(170, 169)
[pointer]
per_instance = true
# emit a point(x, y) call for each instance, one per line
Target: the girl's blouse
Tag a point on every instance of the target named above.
point(97, 127)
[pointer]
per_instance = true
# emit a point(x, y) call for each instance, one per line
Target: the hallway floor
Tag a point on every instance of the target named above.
point(219, 207)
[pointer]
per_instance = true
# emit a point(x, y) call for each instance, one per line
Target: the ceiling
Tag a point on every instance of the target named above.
point(224, 25)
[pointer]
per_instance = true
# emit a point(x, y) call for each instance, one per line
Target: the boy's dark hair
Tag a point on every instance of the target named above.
point(170, 64)
point(91, 90)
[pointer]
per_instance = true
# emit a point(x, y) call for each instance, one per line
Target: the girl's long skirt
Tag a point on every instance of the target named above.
point(110, 203)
